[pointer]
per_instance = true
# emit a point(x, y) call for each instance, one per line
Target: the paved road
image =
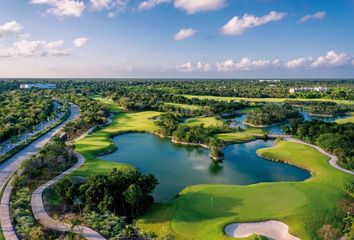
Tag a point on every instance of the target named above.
point(11, 165)
point(43, 218)
point(8, 146)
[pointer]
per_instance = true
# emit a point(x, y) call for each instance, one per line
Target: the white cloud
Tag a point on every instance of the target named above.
point(246, 64)
point(114, 6)
point(99, 4)
point(332, 59)
point(190, 6)
point(236, 26)
point(10, 28)
point(205, 67)
point(63, 8)
point(315, 16)
point(80, 42)
point(185, 67)
point(299, 62)
point(190, 67)
point(193, 6)
point(27, 48)
point(184, 33)
point(148, 4)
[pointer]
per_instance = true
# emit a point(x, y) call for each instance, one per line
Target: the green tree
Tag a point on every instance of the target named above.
point(132, 195)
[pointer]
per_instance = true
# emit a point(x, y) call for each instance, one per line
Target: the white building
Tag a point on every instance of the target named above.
point(38, 85)
point(269, 80)
point(308, 89)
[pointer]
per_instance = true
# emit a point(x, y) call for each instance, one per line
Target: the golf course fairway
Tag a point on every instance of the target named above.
point(202, 211)
point(269, 100)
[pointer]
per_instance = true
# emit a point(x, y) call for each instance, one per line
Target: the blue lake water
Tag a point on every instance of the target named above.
point(177, 166)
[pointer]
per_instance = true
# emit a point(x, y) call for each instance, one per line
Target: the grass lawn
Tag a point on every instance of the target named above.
point(99, 142)
point(207, 121)
point(112, 106)
point(243, 136)
point(274, 100)
point(346, 120)
point(186, 106)
point(202, 211)
point(235, 137)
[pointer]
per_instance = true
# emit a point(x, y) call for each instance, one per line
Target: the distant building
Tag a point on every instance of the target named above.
point(269, 80)
point(308, 89)
point(38, 85)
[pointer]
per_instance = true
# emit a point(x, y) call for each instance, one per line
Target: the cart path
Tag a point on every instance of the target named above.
point(11, 165)
point(44, 219)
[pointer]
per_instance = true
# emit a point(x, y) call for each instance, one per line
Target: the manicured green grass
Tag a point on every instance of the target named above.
point(241, 136)
point(202, 211)
point(346, 120)
point(99, 142)
point(112, 106)
point(273, 100)
point(235, 137)
point(207, 121)
point(186, 106)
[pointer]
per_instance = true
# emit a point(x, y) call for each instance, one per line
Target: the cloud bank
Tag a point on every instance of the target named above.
point(328, 61)
point(237, 26)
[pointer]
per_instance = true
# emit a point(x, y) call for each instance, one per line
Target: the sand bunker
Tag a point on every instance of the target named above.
point(271, 229)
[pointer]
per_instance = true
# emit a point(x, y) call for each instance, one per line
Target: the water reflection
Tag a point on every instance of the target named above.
point(177, 166)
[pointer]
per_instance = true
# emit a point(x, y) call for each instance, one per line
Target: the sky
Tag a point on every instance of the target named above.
point(177, 38)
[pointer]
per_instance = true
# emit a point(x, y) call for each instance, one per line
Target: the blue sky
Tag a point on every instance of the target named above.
point(177, 38)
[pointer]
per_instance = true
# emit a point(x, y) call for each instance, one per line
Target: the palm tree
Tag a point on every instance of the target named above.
point(78, 202)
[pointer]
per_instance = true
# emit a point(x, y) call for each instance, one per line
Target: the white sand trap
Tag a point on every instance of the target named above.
point(271, 229)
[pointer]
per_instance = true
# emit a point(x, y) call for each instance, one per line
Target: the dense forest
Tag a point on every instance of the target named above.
point(322, 108)
point(115, 199)
point(21, 110)
point(252, 88)
point(272, 114)
point(336, 138)
point(92, 113)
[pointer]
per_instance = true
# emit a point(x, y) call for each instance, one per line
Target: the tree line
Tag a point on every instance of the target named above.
point(322, 107)
point(272, 114)
point(21, 110)
point(333, 137)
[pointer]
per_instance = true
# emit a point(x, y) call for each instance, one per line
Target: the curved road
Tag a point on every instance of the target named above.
point(43, 218)
point(12, 164)
point(333, 159)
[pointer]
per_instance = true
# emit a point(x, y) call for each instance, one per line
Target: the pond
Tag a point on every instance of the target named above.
point(278, 129)
point(177, 166)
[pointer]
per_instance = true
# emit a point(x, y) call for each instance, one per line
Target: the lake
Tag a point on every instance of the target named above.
point(278, 129)
point(177, 166)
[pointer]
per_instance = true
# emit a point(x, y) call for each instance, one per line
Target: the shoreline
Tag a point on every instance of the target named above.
point(264, 126)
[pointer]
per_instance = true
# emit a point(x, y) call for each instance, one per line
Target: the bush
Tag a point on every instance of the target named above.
point(328, 232)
